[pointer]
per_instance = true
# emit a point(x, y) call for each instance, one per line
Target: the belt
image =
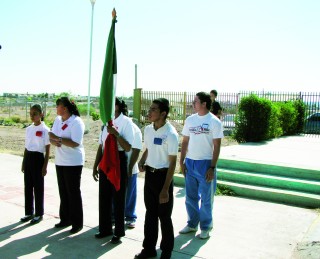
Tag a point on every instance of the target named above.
point(33, 152)
point(155, 170)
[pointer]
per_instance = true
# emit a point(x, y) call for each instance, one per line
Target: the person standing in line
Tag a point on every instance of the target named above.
point(108, 195)
point(216, 108)
point(133, 170)
point(67, 137)
point(159, 162)
point(34, 165)
point(200, 149)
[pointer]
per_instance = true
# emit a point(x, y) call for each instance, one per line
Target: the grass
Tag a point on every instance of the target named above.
point(224, 190)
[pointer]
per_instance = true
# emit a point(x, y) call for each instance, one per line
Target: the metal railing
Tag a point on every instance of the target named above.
point(180, 102)
point(181, 105)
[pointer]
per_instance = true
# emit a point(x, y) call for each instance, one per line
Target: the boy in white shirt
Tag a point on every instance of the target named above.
point(200, 149)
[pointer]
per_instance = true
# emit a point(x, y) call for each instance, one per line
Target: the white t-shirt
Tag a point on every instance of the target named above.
point(160, 144)
point(37, 138)
point(201, 131)
point(72, 128)
point(137, 143)
point(124, 126)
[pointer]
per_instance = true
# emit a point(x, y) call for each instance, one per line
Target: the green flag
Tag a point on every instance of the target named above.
point(109, 78)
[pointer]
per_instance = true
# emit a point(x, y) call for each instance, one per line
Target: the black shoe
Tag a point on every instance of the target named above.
point(75, 230)
point(103, 234)
point(165, 255)
point(62, 225)
point(144, 254)
point(36, 220)
point(115, 240)
point(26, 218)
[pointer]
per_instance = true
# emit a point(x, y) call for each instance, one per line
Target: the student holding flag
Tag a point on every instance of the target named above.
point(113, 183)
point(115, 139)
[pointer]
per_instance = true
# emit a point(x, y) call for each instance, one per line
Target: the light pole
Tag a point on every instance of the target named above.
point(135, 76)
point(90, 56)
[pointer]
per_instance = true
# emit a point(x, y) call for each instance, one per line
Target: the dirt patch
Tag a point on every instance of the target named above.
point(12, 139)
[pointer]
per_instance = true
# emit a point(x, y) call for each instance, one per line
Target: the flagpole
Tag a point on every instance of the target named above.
point(90, 57)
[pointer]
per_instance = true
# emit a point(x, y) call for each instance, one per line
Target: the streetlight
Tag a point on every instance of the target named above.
point(90, 56)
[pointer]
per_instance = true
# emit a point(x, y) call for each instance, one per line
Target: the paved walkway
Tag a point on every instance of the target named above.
point(243, 228)
point(295, 151)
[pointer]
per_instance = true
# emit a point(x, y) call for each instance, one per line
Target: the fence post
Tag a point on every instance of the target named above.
point(9, 107)
point(137, 103)
point(26, 109)
point(237, 102)
point(184, 106)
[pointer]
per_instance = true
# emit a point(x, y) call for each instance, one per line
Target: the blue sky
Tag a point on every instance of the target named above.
point(188, 45)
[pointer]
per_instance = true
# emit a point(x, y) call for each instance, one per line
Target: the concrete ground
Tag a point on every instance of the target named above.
point(243, 228)
point(294, 151)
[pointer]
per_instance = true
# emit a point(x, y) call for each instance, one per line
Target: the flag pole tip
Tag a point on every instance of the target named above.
point(114, 13)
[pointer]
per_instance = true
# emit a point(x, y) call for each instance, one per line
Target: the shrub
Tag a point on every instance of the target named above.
point(48, 120)
point(24, 121)
point(15, 119)
point(301, 110)
point(253, 120)
point(83, 109)
point(8, 122)
point(95, 116)
point(259, 119)
point(288, 117)
point(275, 129)
point(49, 123)
point(291, 116)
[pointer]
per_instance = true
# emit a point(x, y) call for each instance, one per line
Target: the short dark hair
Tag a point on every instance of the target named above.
point(38, 108)
point(214, 92)
point(163, 105)
point(123, 108)
point(69, 104)
point(205, 97)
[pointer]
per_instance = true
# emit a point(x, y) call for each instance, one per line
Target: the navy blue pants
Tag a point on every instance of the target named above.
point(33, 183)
point(155, 211)
point(131, 199)
point(69, 178)
point(108, 196)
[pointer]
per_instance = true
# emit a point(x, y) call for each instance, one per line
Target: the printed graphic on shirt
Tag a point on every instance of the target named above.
point(202, 129)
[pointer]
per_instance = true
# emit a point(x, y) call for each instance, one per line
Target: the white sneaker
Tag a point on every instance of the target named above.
point(131, 224)
point(204, 234)
point(187, 229)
